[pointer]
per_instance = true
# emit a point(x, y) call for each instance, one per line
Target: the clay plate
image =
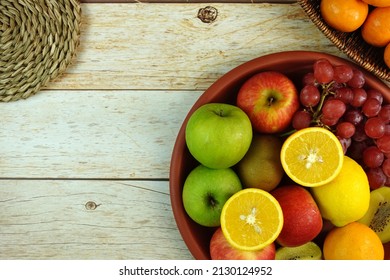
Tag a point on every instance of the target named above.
point(292, 63)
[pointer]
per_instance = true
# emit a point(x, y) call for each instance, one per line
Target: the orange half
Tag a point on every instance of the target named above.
point(251, 219)
point(312, 156)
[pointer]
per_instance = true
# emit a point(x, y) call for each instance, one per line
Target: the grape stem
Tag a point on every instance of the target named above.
point(316, 120)
point(325, 92)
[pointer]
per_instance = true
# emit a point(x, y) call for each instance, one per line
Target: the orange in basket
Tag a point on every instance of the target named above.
point(378, 3)
point(376, 29)
point(344, 15)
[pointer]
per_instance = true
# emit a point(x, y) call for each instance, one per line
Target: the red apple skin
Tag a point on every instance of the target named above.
point(220, 249)
point(270, 99)
point(386, 246)
point(302, 218)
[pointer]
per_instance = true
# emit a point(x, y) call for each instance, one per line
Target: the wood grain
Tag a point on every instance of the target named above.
point(166, 47)
point(84, 164)
point(92, 134)
point(53, 220)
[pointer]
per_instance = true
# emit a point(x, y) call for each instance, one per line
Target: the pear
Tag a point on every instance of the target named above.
point(261, 166)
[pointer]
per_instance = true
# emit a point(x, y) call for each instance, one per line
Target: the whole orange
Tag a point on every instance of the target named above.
point(378, 3)
point(344, 15)
point(354, 241)
point(376, 28)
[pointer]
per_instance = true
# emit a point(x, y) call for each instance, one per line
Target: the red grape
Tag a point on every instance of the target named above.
point(309, 96)
point(355, 151)
point(387, 129)
point(371, 107)
point(345, 129)
point(344, 94)
point(342, 73)
point(308, 79)
point(357, 80)
point(376, 177)
point(383, 144)
point(384, 113)
point(374, 127)
point(373, 93)
point(329, 121)
point(359, 135)
point(345, 143)
point(335, 86)
point(386, 167)
point(333, 108)
point(359, 97)
point(353, 116)
point(301, 119)
point(323, 71)
point(373, 157)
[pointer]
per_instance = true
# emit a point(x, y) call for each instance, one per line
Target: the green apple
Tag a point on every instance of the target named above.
point(218, 135)
point(206, 190)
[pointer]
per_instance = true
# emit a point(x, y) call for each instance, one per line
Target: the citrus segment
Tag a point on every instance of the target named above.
point(251, 219)
point(312, 156)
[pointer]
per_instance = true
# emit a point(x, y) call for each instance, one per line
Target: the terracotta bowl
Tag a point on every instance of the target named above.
point(291, 63)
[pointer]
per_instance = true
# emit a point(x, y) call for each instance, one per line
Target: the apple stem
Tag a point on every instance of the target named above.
point(270, 101)
point(220, 112)
point(212, 202)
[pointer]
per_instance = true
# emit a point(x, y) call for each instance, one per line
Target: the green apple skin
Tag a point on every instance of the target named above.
point(218, 135)
point(206, 190)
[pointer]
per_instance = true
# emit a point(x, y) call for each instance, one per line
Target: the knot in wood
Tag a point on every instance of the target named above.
point(208, 14)
point(90, 205)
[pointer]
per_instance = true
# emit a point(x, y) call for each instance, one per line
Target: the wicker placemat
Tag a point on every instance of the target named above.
point(38, 40)
point(352, 44)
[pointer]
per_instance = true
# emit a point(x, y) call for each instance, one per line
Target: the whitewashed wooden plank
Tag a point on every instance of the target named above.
point(92, 134)
point(45, 219)
point(165, 46)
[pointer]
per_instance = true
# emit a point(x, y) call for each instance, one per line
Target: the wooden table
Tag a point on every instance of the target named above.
point(84, 164)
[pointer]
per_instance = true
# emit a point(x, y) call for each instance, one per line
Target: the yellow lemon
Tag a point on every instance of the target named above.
point(347, 197)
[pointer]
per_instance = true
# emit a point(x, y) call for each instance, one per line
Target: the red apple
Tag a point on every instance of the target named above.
point(220, 249)
point(302, 218)
point(386, 246)
point(270, 99)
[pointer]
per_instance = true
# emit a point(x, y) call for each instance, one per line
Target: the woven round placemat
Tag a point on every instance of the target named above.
point(352, 44)
point(38, 40)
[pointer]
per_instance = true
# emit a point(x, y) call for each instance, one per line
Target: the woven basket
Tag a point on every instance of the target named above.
point(38, 40)
point(352, 44)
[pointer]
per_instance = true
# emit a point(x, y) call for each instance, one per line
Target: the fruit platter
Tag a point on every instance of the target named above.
point(286, 156)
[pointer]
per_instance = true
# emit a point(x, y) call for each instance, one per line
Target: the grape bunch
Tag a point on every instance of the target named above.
point(336, 97)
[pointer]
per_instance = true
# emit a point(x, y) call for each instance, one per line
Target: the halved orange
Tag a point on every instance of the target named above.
point(251, 219)
point(312, 156)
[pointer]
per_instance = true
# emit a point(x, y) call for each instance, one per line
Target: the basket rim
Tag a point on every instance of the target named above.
point(351, 44)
